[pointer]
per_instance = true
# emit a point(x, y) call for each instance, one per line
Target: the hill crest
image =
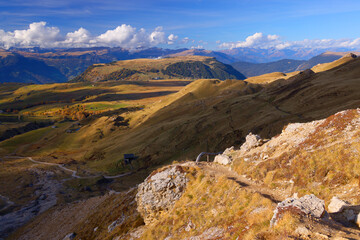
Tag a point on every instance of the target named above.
point(182, 67)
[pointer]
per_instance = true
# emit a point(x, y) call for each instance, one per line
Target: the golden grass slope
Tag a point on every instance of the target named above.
point(207, 115)
point(270, 77)
point(326, 66)
point(210, 115)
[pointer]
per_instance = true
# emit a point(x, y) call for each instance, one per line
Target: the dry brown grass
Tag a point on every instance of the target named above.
point(213, 202)
point(270, 77)
point(334, 64)
point(326, 159)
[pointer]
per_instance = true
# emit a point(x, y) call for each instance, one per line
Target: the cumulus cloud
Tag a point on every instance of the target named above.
point(260, 40)
point(78, 38)
point(126, 36)
point(38, 34)
point(172, 38)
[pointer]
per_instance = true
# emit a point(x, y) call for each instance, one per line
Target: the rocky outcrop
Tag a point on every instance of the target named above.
point(308, 205)
point(159, 192)
point(229, 151)
point(223, 159)
point(251, 141)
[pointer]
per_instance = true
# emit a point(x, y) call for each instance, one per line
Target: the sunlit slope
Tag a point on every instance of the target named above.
point(189, 67)
point(193, 124)
point(211, 115)
point(270, 77)
point(208, 115)
point(326, 66)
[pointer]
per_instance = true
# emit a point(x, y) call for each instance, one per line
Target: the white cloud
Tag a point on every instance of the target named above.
point(38, 34)
point(197, 47)
point(260, 40)
point(123, 35)
point(185, 40)
point(78, 38)
point(126, 36)
point(157, 36)
point(172, 38)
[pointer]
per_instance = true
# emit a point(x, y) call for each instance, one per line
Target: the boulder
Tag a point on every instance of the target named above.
point(160, 191)
point(251, 141)
point(344, 213)
point(336, 205)
point(222, 159)
point(308, 205)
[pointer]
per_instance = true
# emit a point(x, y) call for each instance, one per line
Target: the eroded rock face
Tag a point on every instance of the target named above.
point(306, 205)
point(159, 192)
point(251, 141)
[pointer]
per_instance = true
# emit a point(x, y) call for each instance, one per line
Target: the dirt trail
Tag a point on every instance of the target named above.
point(74, 173)
point(216, 169)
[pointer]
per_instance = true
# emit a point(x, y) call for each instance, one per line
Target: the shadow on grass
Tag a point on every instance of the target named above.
point(130, 96)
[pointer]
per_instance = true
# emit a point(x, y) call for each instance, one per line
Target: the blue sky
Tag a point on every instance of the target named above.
point(206, 23)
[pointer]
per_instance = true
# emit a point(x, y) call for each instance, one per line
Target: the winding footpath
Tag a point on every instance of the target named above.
point(216, 169)
point(74, 173)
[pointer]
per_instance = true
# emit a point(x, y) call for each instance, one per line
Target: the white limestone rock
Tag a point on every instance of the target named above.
point(306, 205)
point(160, 191)
point(223, 159)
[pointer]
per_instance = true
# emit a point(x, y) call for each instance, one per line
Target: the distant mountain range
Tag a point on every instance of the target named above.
point(38, 65)
point(74, 61)
point(17, 68)
point(255, 69)
point(286, 65)
point(256, 55)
